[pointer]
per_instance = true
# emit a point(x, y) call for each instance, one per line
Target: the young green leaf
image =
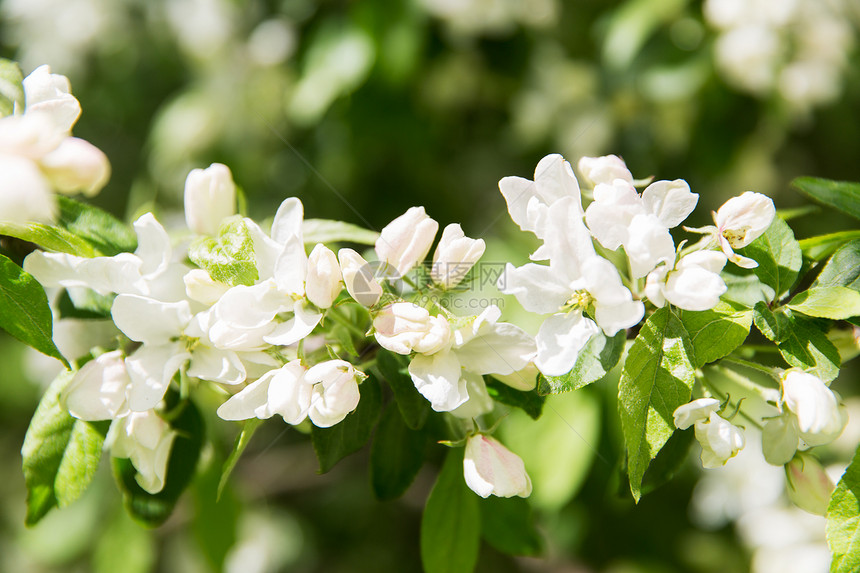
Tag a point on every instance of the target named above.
point(806, 346)
point(834, 302)
point(506, 524)
point(335, 443)
point(717, 332)
point(413, 405)
point(841, 195)
point(775, 326)
point(60, 454)
point(327, 231)
point(658, 377)
point(49, 238)
point(396, 455)
point(229, 258)
point(529, 401)
point(451, 524)
point(242, 440)
point(822, 246)
point(24, 310)
point(843, 268)
point(599, 356)
point(11, 87)
point(107, 234)
point(153, 509)
point(778, 255)
point(843, 520)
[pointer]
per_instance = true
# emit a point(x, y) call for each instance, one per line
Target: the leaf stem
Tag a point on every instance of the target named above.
point(343, 321)
point(769, 370)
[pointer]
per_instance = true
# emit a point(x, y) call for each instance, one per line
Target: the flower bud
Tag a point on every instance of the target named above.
point(210, 197)
point(406, 240)
point(604, 169)
point(50, 94)
point(491, 468)
point(809, 487)
point(779, 439)
point(145, 439)
point(358, 277)
point(720, 440)
point(404, 327)
point(698, 410)
point(695, 284)
point(335, 392)
point(324, 277)
point(76, 165)
point(819, 419)
point(454, 257)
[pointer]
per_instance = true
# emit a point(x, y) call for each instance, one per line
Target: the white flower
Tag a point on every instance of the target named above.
point(575, 281)
point(145, 439)
point(491, 468)
point(210, 197)
point(605, 169)
point(405, 241)
point(358, 277)
point(99, 390)
point(819, 418)
point(323, 282)
point(76, 166)
point(201, 287)
point(335, 392)
point(694, 283)
point(698, 410)
point(454, 257)
point(529, 202)
point(740, 221)
point(720, 440)
point(25, 194)
point(281, 391)
point(50, 94)
point(780, 438)
point(480, 346)
point(405, 327)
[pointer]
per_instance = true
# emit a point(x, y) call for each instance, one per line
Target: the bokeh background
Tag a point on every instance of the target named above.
point(363, 109)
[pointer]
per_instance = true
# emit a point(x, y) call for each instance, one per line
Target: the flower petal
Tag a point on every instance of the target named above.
point(148, 320)
point(559, 341)
point(151, 369)
point(439, 379)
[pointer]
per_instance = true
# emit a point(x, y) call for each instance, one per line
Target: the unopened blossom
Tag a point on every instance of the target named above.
point(359, 278)
point(405, 327)
point(50, 94)
point(489, 468)
point(605, 169)
point(76, 166)
point(335, 392)
point(819, 417)
point(694, 283)
point(99, 390)
point(740, 221)
point(454, 257)
point(698, 410)
point(145, 439)
point(780, 438)
point(405, 241)
point(808, 485)
point(720, 440)
point(210, 197)
point(324, 280)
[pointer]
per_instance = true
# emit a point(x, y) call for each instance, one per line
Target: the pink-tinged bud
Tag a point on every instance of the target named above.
point(489, 468)
point(210, 197)
point(76, 166)
point(324, 277)
point(808, 485)
point(404, 327)
point(455, 255)
point(406, 240)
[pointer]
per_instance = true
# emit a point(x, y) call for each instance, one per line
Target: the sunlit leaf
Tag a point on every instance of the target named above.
point(599, 356)
point(841, 195)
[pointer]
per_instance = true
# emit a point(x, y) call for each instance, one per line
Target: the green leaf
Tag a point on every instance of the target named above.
point(328, 231)
point(834, 302)
point(153, 509)
point(413, 405)
point(822, 246)
point(11, 87)
point(775, 326)
point(806, 346)
point(778, 255)
point(124, 545)
point(529, 401)
point(107, 234)
point(658, 377)
point(60, 454)
point(24, 310)
point(717, 332)
point(84, 303)
point(216, 517)
point(843, 268)
point(843, 520)
point(333, 444)
point(841, 195)
point(667, 463)
point(396, 455)
point(49, 238)
point(506, 524)
point(599, 356)
point(451, 524)
point(242, 440)
point(744, 287)
point(229, 258)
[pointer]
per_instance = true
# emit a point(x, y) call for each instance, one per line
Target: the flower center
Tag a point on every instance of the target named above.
point(580, 300)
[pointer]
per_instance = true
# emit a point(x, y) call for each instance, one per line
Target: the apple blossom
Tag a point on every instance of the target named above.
point(210, 197)
point(324, 281)
point(99, 390)
point(605, 169)
point(694, 283)
point(720, 440)
point(489, 468)
point(698, 410)
point(358, 277)
point(454, 257)
point(808, 485)
point(50, 94)
point(76, 165)
point(404, 327)
point(145, 439)
point(819, 417)
point(405, 241)
point(740, 221)
point(335, 392)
